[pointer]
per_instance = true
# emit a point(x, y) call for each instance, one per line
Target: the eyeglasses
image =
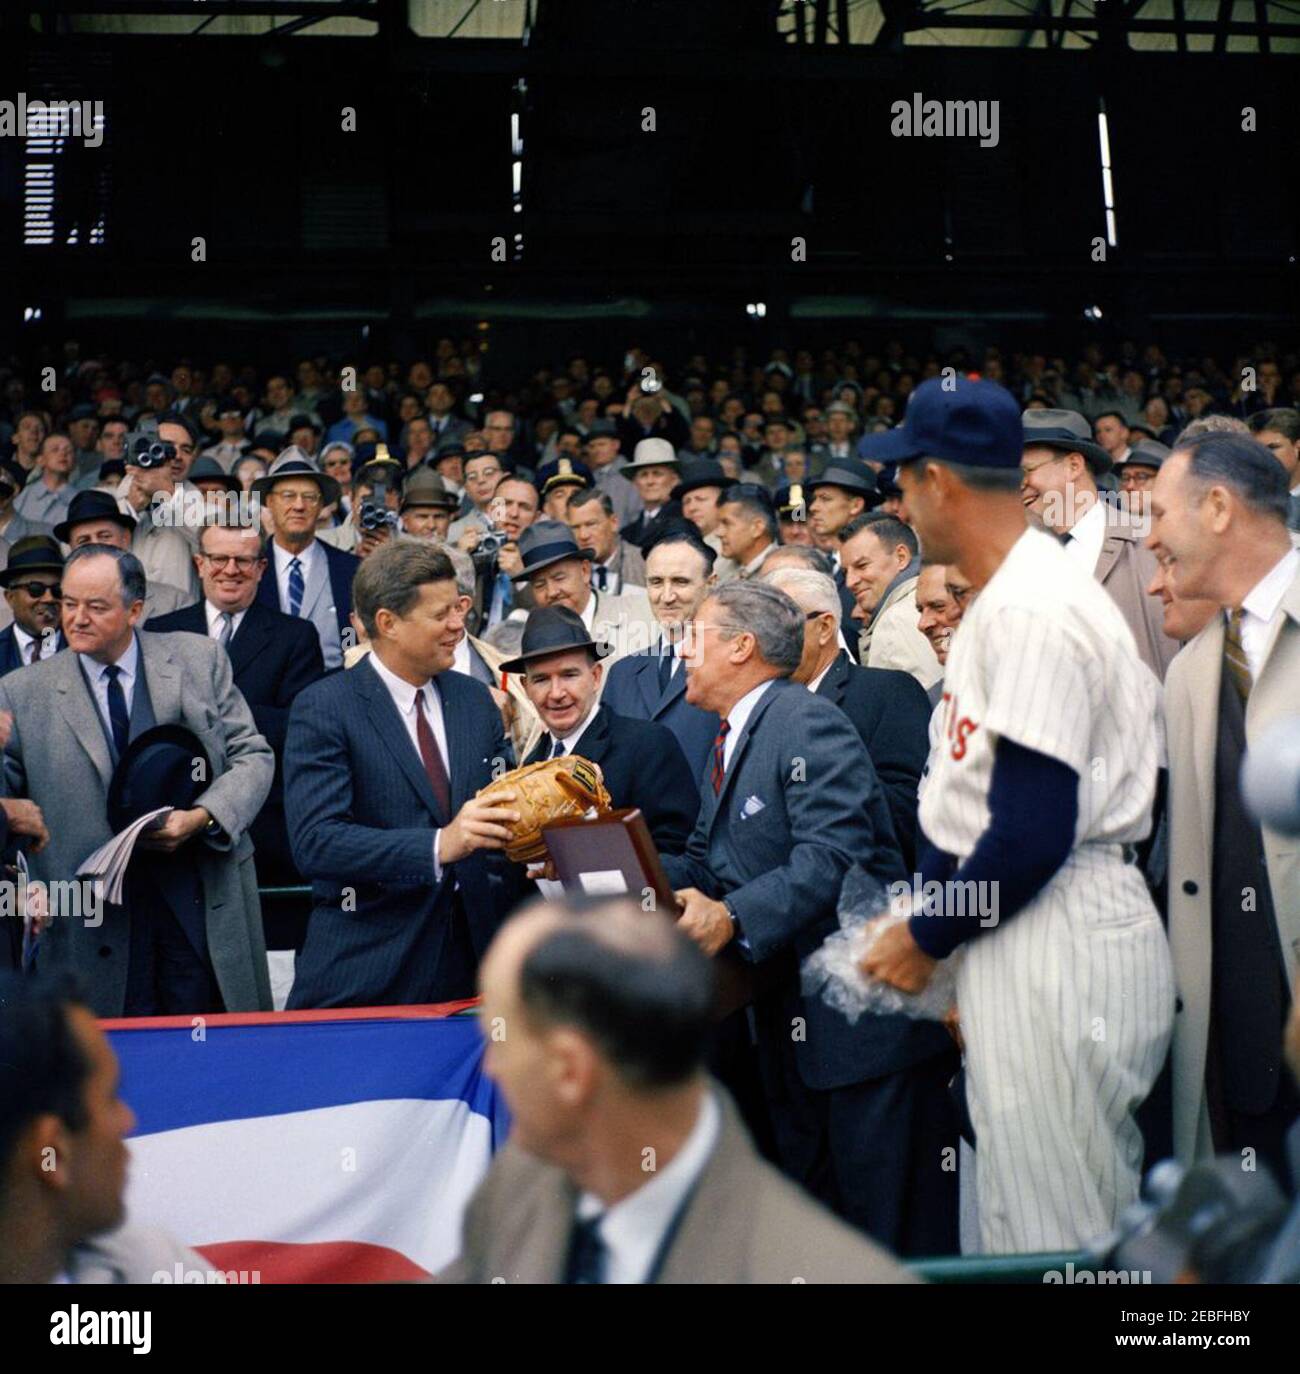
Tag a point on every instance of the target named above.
point(243, 562)
point(1027, 468)
point(36, 590)
point(297, 498)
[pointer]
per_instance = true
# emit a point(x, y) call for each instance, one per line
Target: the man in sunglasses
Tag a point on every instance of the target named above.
point(31, 587)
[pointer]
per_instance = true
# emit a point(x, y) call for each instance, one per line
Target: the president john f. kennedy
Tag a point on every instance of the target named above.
point(381, 766)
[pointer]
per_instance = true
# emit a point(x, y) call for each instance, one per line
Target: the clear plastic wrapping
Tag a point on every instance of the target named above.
point(832, 972)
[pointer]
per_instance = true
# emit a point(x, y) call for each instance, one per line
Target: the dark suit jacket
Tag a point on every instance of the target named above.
point(641, 531)
point(273, 657)
point(361, 817)
point(744, 1223)
point(891, 712)
point(632, 689)
point(781, 865)
point(342, 569)
point(643, 765)
point(10, 658)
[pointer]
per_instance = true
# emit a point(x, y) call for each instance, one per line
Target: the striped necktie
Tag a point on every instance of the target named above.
point(719, 756)
point(297, 586)
point(227, 629)
point(1234, 655)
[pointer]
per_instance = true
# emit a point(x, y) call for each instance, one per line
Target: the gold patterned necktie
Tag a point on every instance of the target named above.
point(1234, 655)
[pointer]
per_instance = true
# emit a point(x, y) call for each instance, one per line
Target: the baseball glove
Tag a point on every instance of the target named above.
point(548, 791)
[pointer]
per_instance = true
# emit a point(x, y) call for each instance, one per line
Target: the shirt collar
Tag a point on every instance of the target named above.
point(128, 663)
point(21, 635)
point(588, 613)
point(635, 1226)
point(401, 691)
point(570, 741)
point(817, 681)
point(757, 561)
point(283, 557)
point(460, 661)
point(214, 614)
point(740, 713)
point(1266, 595)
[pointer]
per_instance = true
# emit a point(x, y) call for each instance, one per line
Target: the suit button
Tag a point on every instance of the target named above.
point(1190, 888)
point(105, 952)
point(1178, 1004)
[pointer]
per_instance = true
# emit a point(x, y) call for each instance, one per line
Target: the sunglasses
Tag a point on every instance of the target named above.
point(36, 590)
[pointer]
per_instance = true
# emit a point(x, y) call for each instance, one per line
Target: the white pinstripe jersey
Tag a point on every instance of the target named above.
point(1044, 658)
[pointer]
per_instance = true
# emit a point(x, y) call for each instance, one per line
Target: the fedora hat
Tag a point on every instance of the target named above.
point(293, 462)
point(1066, 430)
point(697, 473)
point(209, 470)
point(158, 768)
point(1146, 453)
point(653, 453)
point(92, 505)
point(36, 553)
point(425, 488)
point(553, 630)
point(849, 475)
point(545, 542)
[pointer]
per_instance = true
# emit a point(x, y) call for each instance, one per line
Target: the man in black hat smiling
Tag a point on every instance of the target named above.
point(642, 763)
point(31, 585)
point(846, 489)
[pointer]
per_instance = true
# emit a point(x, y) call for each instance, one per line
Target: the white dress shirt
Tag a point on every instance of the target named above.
point(460, 660)
point(633, 1229)
point(404, 695)
point(214, 614)
point(588, 613)
point(739, 716)
point(1087, 536)
point(308, 558)
point(1261, 606)
point(817, 681)
point(95, 671)
point(569, 742)
point(49, 643)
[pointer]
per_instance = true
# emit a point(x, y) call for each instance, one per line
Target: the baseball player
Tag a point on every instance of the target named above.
point(1043, 786)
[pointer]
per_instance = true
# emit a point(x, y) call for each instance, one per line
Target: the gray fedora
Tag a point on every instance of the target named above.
point(293, 462)
point(1066, 430)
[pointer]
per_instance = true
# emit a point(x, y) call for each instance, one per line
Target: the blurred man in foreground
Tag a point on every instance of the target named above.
point(593, 1096)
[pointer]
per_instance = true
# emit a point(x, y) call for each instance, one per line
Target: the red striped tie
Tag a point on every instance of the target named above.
point(719, 752)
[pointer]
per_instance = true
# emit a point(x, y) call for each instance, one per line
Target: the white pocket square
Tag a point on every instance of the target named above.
point(751, 807)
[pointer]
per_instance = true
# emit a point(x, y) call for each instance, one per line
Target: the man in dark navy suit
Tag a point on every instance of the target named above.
point(652, 685)
point(889, 709)
point(307, 578)
point(641, 762)
point(31, 586)
point(860, 1111)
point(380, 770)
point(273, 657)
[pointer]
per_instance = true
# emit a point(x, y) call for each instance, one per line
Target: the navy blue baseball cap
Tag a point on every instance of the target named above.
point(971, 424)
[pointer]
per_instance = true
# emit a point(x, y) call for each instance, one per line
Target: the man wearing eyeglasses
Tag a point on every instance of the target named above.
point(31, 587)
point(273, 656)
point(308, 579)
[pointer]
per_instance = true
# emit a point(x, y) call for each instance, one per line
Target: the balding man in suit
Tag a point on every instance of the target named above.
point(1219, 509)
point(566, 1201)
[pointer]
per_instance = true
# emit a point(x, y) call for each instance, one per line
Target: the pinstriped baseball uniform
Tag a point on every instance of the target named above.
point(1067, 1008)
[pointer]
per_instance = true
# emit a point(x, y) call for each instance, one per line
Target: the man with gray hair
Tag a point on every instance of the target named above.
point(76, 716)
point(1219, 508)
point(789, 803)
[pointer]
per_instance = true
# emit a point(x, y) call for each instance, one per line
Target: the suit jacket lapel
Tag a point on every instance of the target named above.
point(676, 688)
point(163, 677)
point(317, 582)
point(733, 767)
point(390, 728)
point(1111, 548)
point(253, 635)
point(836, 681)
point(79, 710)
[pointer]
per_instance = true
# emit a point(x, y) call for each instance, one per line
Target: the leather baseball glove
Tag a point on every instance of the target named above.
point(548, 791)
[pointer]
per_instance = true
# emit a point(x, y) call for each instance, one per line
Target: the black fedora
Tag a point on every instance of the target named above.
point(35, 553)
point(156, 769)
point(92, 505)
point(545, 542)
point(851, 475)
point(701, 472)
point(553, 630)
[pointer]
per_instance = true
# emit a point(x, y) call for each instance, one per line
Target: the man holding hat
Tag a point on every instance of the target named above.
point(846, 489)
point(654, 471)
point(558, 572)
point(86, 749)
point(308, 577)
point(1041, 788)
point(96, 517)
point(31, 586)
point(427, 505)
point(641, 761)
point(1059, 470)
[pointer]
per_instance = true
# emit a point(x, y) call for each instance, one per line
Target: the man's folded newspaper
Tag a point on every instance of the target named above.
point(109, 861)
